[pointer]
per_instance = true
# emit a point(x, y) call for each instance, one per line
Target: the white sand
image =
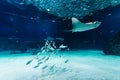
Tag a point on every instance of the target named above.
point(82, 65)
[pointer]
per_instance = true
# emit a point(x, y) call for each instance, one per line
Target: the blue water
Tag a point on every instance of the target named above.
point(24, 30)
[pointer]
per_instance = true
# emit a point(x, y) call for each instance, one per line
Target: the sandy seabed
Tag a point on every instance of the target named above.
point(80, 65)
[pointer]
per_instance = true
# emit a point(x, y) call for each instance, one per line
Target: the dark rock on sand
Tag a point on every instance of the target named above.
point(112, 47)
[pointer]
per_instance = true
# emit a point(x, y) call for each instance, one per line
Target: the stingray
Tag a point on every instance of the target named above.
point(78, 26)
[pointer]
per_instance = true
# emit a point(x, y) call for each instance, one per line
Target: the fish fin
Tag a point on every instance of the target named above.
point(67, 30)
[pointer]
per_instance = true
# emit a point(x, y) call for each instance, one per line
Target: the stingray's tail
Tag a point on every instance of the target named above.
point(67, 30)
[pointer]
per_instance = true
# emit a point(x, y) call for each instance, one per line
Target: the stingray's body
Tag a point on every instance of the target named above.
point(80, 27)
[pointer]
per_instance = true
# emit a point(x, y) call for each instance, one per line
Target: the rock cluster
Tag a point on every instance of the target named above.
point(112, 47)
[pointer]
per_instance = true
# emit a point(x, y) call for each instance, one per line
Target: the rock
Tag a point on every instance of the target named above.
point(112, 47)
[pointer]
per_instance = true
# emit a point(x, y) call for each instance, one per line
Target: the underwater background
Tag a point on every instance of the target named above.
point(27, 25)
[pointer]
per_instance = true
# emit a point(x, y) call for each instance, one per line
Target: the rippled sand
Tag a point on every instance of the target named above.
point(81, 65)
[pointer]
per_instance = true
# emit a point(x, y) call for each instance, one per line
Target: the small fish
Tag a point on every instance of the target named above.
point(64, 69)
point(44, 67)
point(13, 38)
point(46, 59)
point(61, 39)
point(29, 61)
point(66, 61)
point(36, 66)
point(40, 63)
point(62, 46)
point(41, 58)
point(51, 68)
point(50, 38)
